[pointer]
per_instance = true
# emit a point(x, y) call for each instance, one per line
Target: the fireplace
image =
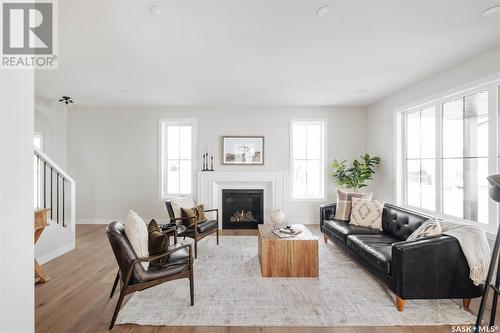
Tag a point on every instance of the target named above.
point(242, 208)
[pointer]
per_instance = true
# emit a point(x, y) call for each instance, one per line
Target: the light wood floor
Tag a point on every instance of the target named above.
point(76, 299)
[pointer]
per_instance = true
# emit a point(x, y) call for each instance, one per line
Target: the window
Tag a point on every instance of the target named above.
point(465, 157)
point(421, 158)
point(176, 153)
point(446, 156)
point(307, 155)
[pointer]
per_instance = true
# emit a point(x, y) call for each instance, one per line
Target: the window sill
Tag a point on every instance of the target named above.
point(307, 199)
point(175, 196)
point(486, 227)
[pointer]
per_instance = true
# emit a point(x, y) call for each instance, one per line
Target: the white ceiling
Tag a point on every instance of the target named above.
point(115, 53)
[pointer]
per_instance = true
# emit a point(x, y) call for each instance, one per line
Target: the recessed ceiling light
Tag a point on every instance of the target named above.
point(495, 10)
point(324, 11)
point(159, 10)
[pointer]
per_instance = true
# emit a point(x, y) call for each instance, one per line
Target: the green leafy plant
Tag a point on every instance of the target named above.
point(358, 174)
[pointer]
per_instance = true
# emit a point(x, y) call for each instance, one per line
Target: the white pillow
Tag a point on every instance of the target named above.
point(137, 234)
point(367, 213)
point(429, 228)
point(184, 202)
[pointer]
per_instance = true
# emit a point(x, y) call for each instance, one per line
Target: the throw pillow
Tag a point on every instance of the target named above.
point(177, 203)
point(189, 216)
point(429, 228)
point(200, 213)
point(158, 243)
point(343, 209)
point(137, 234)
point(367, 213)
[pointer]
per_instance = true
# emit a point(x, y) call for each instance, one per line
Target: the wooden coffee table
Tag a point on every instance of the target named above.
point(288, 257)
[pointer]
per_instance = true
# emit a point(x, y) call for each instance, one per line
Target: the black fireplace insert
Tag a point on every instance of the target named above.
point(242, 208)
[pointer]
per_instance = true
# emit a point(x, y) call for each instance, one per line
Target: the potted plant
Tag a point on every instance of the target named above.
point(358, 174)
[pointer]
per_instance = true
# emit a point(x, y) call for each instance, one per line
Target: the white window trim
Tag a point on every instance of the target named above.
point(194, 160)
point(324, 124)
point(491, 84)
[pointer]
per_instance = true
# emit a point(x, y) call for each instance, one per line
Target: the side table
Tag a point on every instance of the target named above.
point(172, 230)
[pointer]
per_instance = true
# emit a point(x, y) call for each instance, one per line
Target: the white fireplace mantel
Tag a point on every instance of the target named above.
point(211, 184)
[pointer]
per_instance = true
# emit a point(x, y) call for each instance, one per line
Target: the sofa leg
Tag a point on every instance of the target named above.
point(400, 303)
point(466, 302)
point(326, 239)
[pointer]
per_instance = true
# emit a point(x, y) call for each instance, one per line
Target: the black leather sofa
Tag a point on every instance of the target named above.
point(430, 268)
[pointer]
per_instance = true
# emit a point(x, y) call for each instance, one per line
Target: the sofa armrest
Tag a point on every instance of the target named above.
point(326, 212)
point(431, 268)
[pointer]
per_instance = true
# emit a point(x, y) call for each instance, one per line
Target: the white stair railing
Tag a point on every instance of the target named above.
point(55, 190)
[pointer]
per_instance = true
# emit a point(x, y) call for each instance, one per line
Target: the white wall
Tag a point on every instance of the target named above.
point(16, 201)
point(113, 153)
point(381, 121)
point(51, 119)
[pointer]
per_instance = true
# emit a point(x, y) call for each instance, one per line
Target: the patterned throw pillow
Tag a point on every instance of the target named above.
point(200, 213)
point(429, 228)
point(367, 213)
point(343, 209)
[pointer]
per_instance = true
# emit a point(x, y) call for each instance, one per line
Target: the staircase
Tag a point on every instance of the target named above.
point(54, 190)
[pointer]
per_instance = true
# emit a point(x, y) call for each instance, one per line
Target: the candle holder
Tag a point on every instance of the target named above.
point(204, 166)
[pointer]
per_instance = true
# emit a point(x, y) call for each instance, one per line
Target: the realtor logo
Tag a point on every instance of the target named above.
point(28, 35)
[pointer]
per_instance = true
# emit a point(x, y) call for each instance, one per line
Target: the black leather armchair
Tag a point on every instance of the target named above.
point(430, 268)
point(134, 277)
point(197, 231)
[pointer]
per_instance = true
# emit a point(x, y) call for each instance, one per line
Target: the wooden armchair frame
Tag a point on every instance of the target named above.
point(125, 281)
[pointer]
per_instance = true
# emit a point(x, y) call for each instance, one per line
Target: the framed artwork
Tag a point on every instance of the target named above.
point(243, 150)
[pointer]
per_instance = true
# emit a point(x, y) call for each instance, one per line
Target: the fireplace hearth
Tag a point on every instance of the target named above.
point(242, 208)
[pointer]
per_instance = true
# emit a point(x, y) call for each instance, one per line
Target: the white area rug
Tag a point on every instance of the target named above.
point(229, 291)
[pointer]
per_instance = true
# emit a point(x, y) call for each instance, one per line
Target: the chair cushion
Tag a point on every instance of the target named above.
point(176, 263)
point(342, 229)
point(202, 228)
point(375, 249)
point(137, 233)
point(207, 226)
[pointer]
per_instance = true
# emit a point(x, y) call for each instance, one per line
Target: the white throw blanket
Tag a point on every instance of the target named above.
point(474, 245)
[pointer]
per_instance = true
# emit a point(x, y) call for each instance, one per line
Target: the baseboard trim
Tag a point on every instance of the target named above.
point(56, 253)
point(109, 220)
point(301, 221)
point(97, 221)
point(162, 221)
